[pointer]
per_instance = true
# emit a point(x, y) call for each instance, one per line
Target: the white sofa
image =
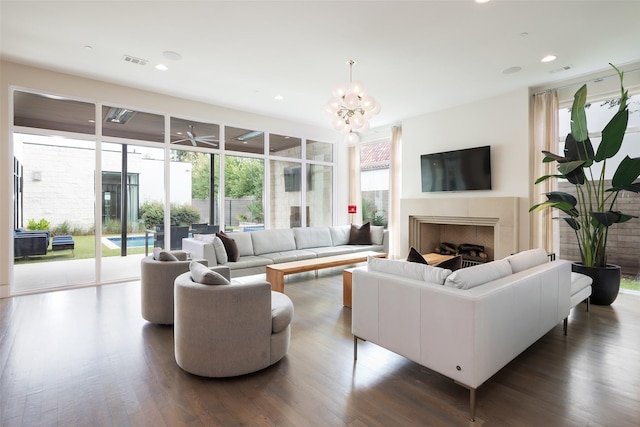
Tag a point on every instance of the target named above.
point(260, 248)
point(470, 327)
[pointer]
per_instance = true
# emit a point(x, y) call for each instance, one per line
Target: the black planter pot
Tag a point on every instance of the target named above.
point(606, 282)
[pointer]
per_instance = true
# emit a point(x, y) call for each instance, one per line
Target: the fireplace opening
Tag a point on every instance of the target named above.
point(471, 253)
point(475, 243)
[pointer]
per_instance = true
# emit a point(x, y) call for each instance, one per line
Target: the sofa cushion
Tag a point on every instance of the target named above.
point(415, 256)
point(360, 235)
point(202, 274)
point(340, 234)
point(230, 246)
point(281, 312)
point(312, 237)
point(527, 259)
point(377, 234)
point(470, 277)
point(269, 241)
point(244, 242)
point(411, 270)
point(452, 264)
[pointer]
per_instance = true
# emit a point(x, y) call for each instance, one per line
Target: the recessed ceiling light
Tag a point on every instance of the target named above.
point(549, 58)
point(278, 97)
point(482, 1)
point(161, 67)
point(87, 47)
point(511, 70)
point(174, 56)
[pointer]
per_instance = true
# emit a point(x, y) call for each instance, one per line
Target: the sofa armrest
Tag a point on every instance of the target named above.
point(200, 250)
point(385, 241)
point(223, 270)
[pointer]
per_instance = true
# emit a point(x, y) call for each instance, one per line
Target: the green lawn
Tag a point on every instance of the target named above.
point(631, 283)
point(84, 248)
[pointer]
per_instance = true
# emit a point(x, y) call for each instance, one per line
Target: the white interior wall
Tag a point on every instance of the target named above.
point(501, 122)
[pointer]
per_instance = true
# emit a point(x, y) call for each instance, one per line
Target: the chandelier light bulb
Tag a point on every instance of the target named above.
point(351, 107)
point(352, 138)
point(339, 90)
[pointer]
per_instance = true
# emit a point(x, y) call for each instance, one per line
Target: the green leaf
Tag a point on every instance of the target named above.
point(546, 177)
point(561, 196)
point(578, 115)
point(579, 150)
point(550, 157)
point(612, 136)
point(628, 171)
point(605, 219)
point(573, 171)
point(562, 205)
point(573, 223)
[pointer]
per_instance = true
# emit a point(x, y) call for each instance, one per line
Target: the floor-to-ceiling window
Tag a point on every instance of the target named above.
point(374, 182)
point(121, 181)
point(623, 238)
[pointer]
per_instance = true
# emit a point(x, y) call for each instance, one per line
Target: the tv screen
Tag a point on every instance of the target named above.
point(458, 170)
point(293, 178)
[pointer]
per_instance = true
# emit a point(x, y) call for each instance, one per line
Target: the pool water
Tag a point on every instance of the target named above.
point(132, 241)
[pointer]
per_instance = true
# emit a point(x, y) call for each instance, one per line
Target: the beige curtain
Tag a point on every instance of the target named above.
point(354, 183)
point(545, 137)
point(395, 183)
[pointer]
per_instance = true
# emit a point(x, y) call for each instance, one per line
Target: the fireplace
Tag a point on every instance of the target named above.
point(491, 222)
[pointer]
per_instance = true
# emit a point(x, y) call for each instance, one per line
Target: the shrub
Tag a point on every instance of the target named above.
point(63, 228)
point(152, 213)
point(43, 224)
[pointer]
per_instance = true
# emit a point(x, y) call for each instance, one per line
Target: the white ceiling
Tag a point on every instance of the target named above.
point(413, 57)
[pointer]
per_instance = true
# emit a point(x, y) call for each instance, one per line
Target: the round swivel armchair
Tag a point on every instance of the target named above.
point(231, 328)
point(157, 275)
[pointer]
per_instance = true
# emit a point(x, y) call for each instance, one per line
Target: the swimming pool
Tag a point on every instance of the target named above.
point(132, 242)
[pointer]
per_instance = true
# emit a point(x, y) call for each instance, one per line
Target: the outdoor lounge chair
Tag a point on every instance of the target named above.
point(30, 243)
point(63, 242)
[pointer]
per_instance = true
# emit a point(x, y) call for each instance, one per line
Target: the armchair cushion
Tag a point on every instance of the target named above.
point(377, 234)
point(202, 274)
point(281, 312)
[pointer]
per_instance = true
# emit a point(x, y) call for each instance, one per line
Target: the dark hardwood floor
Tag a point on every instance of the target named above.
point(85, 357)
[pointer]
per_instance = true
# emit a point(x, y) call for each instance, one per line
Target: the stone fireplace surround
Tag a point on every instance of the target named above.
point(499, 214)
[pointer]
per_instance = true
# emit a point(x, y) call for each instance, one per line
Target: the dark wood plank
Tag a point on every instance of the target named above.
point(86, 357)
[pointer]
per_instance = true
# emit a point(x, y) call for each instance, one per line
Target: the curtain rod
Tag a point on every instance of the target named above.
point(596, 79)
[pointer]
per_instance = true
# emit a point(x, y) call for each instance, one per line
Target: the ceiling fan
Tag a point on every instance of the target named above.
point(210, 140)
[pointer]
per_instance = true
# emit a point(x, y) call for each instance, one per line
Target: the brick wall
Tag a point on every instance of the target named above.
point(623, 247)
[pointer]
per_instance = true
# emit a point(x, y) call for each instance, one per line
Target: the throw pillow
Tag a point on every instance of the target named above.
point(230, 246)
point(202, 274)
point(219, 249)
point(160, 254)
point(415, 256)
point(360, 235)
point(452, 264)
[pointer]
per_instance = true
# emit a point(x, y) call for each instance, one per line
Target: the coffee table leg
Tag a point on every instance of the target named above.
point(276, 278)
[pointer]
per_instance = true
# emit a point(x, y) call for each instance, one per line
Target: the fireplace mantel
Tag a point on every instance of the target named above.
point(501, 213)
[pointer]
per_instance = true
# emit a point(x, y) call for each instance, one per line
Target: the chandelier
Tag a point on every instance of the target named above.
point(351, 107)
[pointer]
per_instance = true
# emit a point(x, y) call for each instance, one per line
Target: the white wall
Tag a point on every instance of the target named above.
point(501, 122)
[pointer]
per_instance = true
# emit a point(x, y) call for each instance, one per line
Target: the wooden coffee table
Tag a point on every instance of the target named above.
point(276, 272)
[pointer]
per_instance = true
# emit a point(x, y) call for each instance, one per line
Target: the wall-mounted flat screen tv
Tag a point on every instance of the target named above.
point(458, 170)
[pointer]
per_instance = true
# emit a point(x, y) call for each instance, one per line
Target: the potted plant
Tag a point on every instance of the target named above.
point(592, 211)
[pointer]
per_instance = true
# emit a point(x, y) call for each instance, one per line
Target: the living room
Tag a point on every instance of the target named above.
point(502, 120)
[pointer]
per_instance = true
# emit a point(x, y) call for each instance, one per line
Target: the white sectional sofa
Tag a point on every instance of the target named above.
point(260, 248)
point(466, 325)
